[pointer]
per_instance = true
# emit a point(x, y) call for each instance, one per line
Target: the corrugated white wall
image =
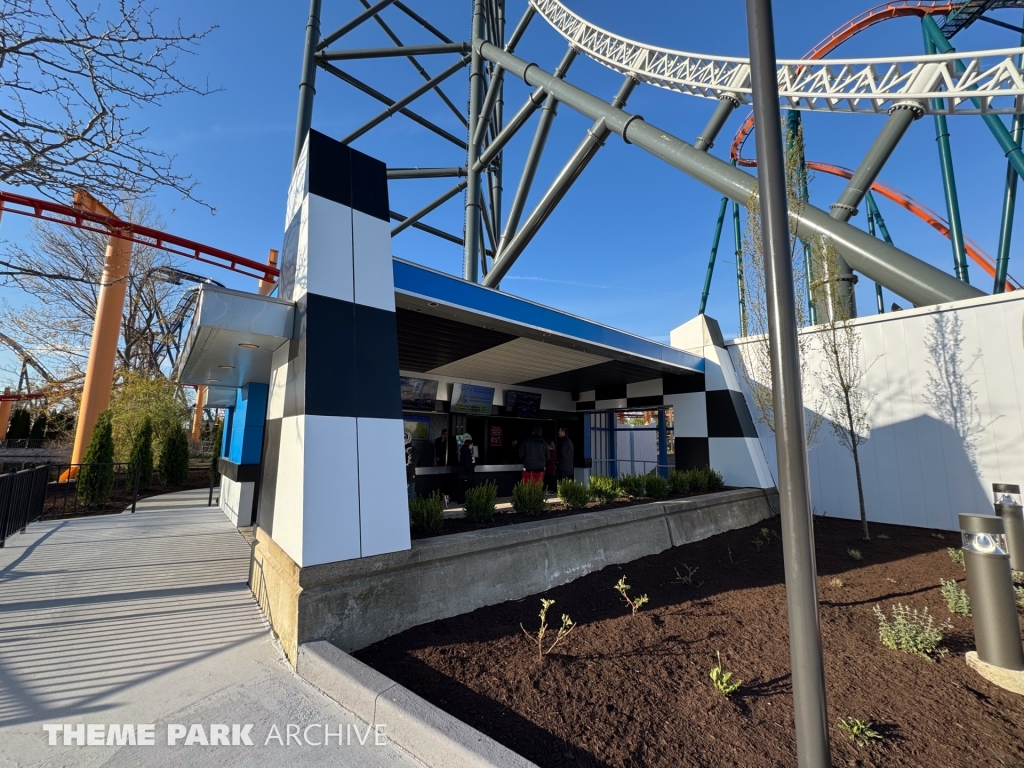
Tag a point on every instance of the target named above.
point(940, 434)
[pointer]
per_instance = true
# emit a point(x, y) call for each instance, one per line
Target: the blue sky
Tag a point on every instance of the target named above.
point(629, 244)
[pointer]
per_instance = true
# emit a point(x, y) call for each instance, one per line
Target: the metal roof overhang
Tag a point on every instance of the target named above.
point(451, 327)
point(232, 338)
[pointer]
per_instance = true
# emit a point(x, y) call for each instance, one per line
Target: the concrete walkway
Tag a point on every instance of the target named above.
point(146, 618)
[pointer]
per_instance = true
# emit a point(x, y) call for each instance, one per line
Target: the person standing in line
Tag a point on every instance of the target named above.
point(533, 453)
point(410, 466)
point(466, 466)
point(551, 468)
point(441, 449)
point(566, 455)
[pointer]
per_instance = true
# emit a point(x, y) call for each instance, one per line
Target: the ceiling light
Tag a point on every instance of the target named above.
point(431, 303)
point(227, 367)
point(250, 346)
point(213, 381)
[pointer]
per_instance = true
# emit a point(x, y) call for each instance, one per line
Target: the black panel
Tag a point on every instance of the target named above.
point(330, 169)
point(611, 376)
point(610, 392)
point(378, 393)
point(370, 186)
point(673, 384)
point(268, 485)
point(426, 342)
point(648, 401)
point(728, 415)
point(330, 355)
point(586, 405)
point(692, 452)
point(240, 473)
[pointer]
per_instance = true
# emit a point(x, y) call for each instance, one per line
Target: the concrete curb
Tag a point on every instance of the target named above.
point(416, 725)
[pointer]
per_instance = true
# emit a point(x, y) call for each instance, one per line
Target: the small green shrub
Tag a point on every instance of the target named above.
point(679, 480)
point(688, 578)
point(956, 555)
point(96, 476)
point(704, 480)
point(722, 680)
point(572, 494)
point(1019, 592)
point(568, 625)
point(141, 455)
point(174, 456)
point(603, 488)
point(1017, 577)
point(426, 513)
point(528, 498)
point(909, 631)
point(480, 502)
point(657, 486)
point(861, 732)
point(633, 486)
point(635, 604)
point(957, 599)
point(856, 554)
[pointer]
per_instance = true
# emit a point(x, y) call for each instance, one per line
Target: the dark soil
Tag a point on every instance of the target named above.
point(635, 691)
point(555, 509)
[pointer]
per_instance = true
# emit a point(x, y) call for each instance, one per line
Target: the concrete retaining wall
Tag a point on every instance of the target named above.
point(355, 603)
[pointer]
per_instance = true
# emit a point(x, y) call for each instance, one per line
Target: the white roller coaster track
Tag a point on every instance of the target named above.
point(992, 82)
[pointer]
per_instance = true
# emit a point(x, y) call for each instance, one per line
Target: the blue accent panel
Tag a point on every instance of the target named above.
point(225, 438)
point(437, 286)
point(250, 412)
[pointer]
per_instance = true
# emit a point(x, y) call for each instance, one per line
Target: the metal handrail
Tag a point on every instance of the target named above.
point(22, 495)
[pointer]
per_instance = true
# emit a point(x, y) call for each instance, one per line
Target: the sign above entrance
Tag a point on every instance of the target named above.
point(472, 398)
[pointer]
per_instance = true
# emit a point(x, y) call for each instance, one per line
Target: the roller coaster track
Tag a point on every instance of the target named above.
point(991, 83)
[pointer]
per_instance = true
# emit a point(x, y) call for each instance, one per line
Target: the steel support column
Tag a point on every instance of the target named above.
point(471, 235)
point(793, 128)
point(808, 667)
point(307, 85)
point(429, 207)
point(905, 275)
point(741, 290)
point(879, 300)
point(844, 298)
point(591, 143)
point(1009, 205)
point(714, 253)
point(726, 105)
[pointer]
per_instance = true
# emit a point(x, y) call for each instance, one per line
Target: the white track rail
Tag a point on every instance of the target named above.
point(826, 85)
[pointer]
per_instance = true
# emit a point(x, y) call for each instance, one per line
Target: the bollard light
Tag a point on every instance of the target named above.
point(993, 604)
point(1013, 523)
point(1003, 493)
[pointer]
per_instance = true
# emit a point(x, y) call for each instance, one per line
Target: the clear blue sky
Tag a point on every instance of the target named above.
point(629, 244)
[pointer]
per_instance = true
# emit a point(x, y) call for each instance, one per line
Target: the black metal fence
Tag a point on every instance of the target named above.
point(64, 498)
point(22, 496)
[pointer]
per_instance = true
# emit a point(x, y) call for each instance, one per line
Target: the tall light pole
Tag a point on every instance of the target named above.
point(808, 668)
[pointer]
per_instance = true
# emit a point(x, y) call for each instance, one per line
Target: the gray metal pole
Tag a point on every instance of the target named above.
point(714, 254)
point(347, 27)
point(903, 274)
point(591, 143)
point(725, 107)
point(808, 667)
point(307, 85)
point(425, 173)
point(900, 117)
point(494, 87)
point(476, 87)
point(429, 207)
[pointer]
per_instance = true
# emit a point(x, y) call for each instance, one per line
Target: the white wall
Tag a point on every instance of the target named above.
point(939, 438)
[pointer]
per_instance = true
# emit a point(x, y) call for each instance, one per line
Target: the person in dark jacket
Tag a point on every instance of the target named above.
point(551, 468)
point(565, 455)
point(466, 467)
point(441, 449)
point(533, 452)
point(410, 466)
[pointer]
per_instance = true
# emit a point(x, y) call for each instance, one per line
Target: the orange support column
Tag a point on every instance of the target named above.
point(5, 414)
point(197, 417)
point(106, 329)
point(266, 287)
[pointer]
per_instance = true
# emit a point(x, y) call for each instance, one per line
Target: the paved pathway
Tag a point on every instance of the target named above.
point(147, 618)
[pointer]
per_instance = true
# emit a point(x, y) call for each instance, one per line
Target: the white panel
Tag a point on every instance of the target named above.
point(644, 388)
point(278, 381)
point(236, 501)
point(588, 396)
point(606, 405)
point(330, 529)
point(288, 494)
point(329, 248)
point(518, 360)
point(383, 500)
point(299, 185)
point(371, 253)
point(690, 413)
point(733, 458)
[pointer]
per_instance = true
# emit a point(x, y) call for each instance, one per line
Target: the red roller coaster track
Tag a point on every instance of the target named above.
point(152, 238)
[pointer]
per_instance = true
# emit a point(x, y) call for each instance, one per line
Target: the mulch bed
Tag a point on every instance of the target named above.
point(61, 502)
point(635, 691)
point(554, 509)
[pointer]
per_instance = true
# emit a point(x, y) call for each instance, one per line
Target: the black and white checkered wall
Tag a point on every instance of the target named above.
point(334, 467)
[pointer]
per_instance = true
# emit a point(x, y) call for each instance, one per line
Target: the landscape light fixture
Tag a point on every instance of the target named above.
point(249, 346)
point(1003, 493)
point(1007, 506)
point(993, 604)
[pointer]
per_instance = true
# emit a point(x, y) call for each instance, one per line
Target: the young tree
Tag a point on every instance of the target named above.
point(140, 398)
point(141, 455)
point(841, 373)
point(756, 363)
point(96, 476)
point(174, 457)
point(74, 81)
point(20, 425)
